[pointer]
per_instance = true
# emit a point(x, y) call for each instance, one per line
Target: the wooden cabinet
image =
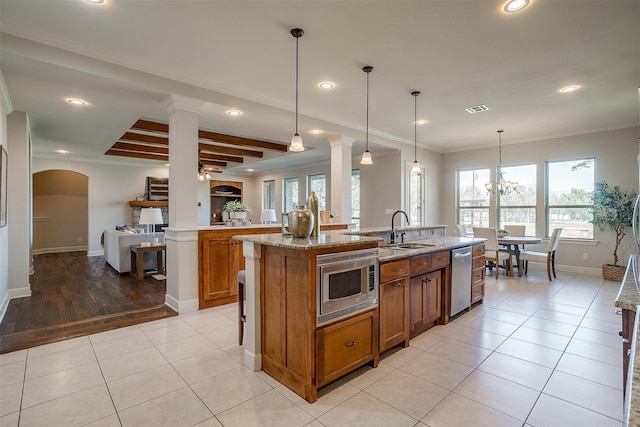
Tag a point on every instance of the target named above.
point(346, 345)
point(477, 273)
point(426, 301)
point(628, 320)
point(219, 266)
point(394, 304)
point(221, 193)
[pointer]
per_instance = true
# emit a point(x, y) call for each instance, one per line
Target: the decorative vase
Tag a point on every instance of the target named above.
point(237, 215)
point(312, 202)
point(301, 222)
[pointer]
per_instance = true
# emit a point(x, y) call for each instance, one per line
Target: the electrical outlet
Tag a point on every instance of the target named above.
point(585, 256)
point(388, 211)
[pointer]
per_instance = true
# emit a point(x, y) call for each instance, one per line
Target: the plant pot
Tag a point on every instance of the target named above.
point(613, 273)
point(237, 215)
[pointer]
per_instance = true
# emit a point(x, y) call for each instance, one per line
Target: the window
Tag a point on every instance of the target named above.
point(269, 194)
point(290, 194)
point(416, 196)
point(355, 196)
point(318, 183)
point(519, 207)
point(473, 198)
point(568, 197)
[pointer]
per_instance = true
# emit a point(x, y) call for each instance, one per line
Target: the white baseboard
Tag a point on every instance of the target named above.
point(60, 249)
point(96, 253)
point(4, 306)
point(253, 361)
point(11, 294)
point(568, 268)
point(182, 307)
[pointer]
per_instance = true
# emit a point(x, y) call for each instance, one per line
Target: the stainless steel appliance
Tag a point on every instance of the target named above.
point(460, 279)
point(347, 283)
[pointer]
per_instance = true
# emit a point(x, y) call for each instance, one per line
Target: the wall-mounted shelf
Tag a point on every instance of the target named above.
point(149, 203)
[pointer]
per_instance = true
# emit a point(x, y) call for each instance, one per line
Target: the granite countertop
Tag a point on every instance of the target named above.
point(324, 240)
point(258, 225)
point(629, 298)
point(437, 244)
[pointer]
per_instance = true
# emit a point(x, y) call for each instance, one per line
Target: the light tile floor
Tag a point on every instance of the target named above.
point(536, 353)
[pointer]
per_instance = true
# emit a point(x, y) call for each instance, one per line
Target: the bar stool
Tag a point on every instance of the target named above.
point(242, 317)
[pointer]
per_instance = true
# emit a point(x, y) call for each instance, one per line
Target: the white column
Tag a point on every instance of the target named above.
point(341, 178)
point(19, 204)
point(252, 342)
point(182, 234)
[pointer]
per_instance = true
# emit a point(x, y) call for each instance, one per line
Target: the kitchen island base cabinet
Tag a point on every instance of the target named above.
point(394, 304)
point(347, 345)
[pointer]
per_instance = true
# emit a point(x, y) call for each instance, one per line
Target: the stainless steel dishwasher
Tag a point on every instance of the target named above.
point(460, 279)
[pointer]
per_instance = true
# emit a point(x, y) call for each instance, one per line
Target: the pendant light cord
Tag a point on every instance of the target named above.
point(367, 149)
point(415, 127)
point(297, 84)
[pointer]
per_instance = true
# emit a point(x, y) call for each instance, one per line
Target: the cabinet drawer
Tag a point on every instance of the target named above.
point(477, 292)
point(439, 260)
point(477, 276)
point(420, 264)
point(477, 263)
point(477, 250)
point(394, 270)
point(344, 346)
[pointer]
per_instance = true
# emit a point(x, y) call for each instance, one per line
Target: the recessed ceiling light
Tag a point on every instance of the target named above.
point(422, 122)
point(515, 5)
point(76, 101)
point(568, 89)
point(251, 170)
point(234, 113)
point(63, 152)
point(166, 164)
point(96, 1)
point(326, 85)
point(315, 131)
point(477, 109)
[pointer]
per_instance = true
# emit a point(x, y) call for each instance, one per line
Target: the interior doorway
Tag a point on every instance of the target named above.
point(60, 212)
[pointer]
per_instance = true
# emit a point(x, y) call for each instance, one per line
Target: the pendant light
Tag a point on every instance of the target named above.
point(366, 156)
point(296, 140)
point(416, 166)
point(501, 186)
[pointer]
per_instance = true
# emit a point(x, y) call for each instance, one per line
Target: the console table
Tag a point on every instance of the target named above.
point(137, 259)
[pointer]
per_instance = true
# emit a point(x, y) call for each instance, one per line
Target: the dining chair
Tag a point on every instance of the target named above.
point(515, 231)
point(549, 257)
point(491, 250)
point(461, 230)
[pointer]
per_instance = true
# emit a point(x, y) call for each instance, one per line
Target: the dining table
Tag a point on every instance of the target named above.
point(514, 243)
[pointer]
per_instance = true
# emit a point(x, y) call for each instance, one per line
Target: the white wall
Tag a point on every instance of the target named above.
point(5, 108)
point(615, 153)
point(111, 187)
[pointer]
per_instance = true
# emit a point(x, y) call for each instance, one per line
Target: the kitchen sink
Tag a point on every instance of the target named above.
point(408, 245)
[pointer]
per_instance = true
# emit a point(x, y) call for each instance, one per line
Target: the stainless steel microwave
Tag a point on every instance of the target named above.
point(347, 283)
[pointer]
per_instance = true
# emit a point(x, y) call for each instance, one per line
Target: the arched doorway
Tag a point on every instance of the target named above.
point(60, 211)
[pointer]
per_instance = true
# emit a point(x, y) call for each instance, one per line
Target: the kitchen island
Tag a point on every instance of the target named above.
point(628, 300)
point(220, 259)
point(283, 334)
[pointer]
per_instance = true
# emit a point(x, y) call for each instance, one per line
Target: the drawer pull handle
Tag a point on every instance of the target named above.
point(625, 340)
point(350, 344)
point(397, 270)
point(398, 284)
point(426, 281)
point(422, 263)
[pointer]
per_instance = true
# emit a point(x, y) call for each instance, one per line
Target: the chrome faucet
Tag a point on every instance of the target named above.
point(394, 232)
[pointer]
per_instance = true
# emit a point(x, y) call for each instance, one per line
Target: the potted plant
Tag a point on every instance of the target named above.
point(613, 208)
point(236, 209)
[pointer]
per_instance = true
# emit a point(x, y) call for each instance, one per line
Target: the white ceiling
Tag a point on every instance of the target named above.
point(125, 56)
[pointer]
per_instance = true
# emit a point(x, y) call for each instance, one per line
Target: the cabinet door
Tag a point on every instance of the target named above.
point(433, 302)
point(418, 309)
point(220, 259)
point(394, 313)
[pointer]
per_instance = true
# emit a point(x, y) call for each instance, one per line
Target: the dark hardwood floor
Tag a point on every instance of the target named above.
point(74, 295)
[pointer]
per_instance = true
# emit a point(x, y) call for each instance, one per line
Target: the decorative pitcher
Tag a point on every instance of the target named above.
point(300, 222)
point(312, 202)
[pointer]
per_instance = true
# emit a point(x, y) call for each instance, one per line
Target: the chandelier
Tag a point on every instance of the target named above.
point(501, 186)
